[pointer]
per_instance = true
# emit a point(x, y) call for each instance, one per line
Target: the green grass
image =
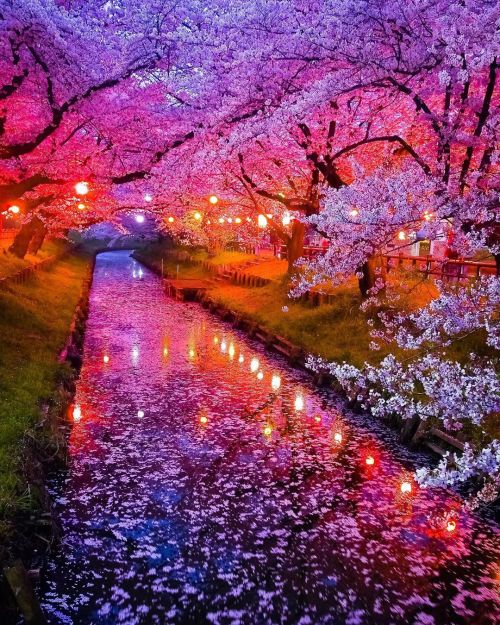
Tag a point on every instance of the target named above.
point(34, 324)
point(10, 264)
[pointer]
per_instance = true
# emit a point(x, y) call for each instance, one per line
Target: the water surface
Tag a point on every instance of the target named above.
point(198, 493)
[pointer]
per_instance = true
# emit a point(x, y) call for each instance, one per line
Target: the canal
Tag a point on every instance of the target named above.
point(211, 483)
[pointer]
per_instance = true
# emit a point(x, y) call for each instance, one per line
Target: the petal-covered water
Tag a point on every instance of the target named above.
point(210, 483)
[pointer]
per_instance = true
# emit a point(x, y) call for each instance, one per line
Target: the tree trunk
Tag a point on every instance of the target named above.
point(370, 274)
point(295, 244)
point(37, 240)
point(23, 238)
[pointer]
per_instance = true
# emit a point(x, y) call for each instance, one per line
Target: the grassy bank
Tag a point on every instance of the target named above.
point(10, 264)
point(34, 323)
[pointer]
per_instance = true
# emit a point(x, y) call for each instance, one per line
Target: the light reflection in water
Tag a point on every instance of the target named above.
point(225, 500)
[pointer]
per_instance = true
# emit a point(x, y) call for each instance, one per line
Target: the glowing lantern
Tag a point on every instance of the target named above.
point(148, 198)
point(260, 375)
point(317, 418)
point(269, 216)
point(81, 206)
point(268, 430)
point(370, 461)
point(254, 365)
point(406, 487)
point(14, 209)
point(275, 382)
point(299, 402)
point(140, 414)
point(231, 350)
point(237, 220)
point(262, 221)
point(77, 413)
point(170, 220)
point(401, 235)
point(216, 340)
point(229, 220)
point(106, 359)
point(451, 526)
point(197, 216)
point(249, 219)
point(139, 219)
point(213, 199)
point(354, 212)
point(337, 437)
point(221, 220)
point(241, 358)
point(286, 219)
point(165, 351)
point(192, 353)
point(223, 346)
point(209, 222)
point(204, 419)
point(82, 188)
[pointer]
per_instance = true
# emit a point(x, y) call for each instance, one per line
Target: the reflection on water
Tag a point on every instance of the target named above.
point(209, 483)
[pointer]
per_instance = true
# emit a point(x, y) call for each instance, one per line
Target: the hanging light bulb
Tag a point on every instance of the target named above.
point(203, 419)
point(170, 220)
point(77, 413)
point(262, 221)
point(401, 235)
point(148, 198)
point(105, 359)
point(260, 375)
point(254, 365)
point(223, 346)
point(299, 402)
point(140, 414)
point(241, 358)
point(406, 487)
point(81, 206)
point(337, 437)
point(221, 220)
point(139, 218)
point(268, 430)
point(14, 209)
point(370, 460)
point(82, 188)
point(197, 216)
point(451, 526)
point(275, 382)
point(286, 218)
point(237, 220)
point(213, 199)
point(231, 350)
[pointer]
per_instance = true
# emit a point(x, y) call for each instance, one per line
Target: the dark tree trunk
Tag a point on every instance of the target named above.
point(295, 244)
point(37, 240)
point(370, 274)
point(23, 238)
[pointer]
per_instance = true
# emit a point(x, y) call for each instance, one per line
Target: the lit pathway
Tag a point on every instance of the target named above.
point(198, 494)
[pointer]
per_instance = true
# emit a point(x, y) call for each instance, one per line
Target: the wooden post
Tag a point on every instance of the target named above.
point(19, 582)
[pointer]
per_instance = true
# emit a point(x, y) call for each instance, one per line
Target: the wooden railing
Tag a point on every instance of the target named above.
point(445, 268)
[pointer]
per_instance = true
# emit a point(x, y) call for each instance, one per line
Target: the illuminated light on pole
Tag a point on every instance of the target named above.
point(140, 414)
point(241, 358)
point(275, 382)
point(254, 365)
point(402, 235)
point(139, 218)
point(81, 206)
point(406, 488)
point(213, 199)
point(237, 220)
point(82, 188)
point(337, 437)
point(170, 220)
point(14, 209)
point(77, 413)
point(299, 402)
point(286, 219)
point(267, 431)
point(105, 359)
point(262, 221)
point(370, 461)
point(197, 216)
point(148, 198)
point(260, 375)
